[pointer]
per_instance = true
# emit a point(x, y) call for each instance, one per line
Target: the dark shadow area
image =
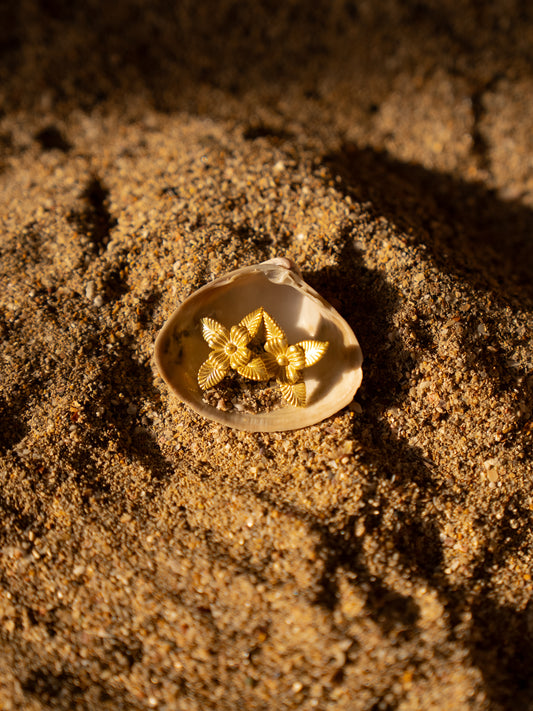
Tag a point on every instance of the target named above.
point(368, 303)
point(14, 521)
point(51, 138)
point(469, 231)
point(339, 548)
point(501, 640)
point(501, 646)
point(114, 280)
point(397, 614)
point(12, 427)
point(275, 135)
point(95, 51)
point(510, 535)
point(53, 688)
point(393, 612)
point(95, 221)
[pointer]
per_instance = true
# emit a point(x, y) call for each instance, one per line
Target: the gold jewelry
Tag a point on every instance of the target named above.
point(230, 350)
point(279, 359)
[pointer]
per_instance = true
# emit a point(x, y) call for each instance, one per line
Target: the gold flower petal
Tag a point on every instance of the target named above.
point(296, 356)
point(239, 336)
point(271, 364)
point(273, 331)
point(313, 350)
point(240, 358)
point(211, 373)
point(294, 393)
point(276, 346)
point(220, 359)
point(254, 370)
point(287, 374)
point(214, 332)
point(281, 374)
point(292, 374)
point(252, 322)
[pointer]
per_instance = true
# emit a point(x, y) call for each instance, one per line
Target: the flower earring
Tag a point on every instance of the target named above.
point(279, 360)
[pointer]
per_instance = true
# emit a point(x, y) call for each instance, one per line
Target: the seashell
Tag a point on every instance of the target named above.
point(277, 287)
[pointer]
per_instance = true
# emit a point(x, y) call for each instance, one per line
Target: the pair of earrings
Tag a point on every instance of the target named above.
point(279, 360)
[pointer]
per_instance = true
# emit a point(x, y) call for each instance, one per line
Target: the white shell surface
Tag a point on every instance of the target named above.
point(300, 311)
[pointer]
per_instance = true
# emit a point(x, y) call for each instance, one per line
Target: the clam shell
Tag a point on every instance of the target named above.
point(302, 313)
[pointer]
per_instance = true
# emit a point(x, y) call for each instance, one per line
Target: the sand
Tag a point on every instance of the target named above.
point(381, 560)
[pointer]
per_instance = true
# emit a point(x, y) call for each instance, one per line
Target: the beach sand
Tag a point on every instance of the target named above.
point(381, 560)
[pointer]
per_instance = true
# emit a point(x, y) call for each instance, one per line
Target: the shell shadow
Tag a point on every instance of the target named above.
point(470, 231)
point(368, 303)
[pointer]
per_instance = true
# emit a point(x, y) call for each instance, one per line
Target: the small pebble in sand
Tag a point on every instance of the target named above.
point(491, 468)
point(492, 475)
point(223, 405)
point(89, 290)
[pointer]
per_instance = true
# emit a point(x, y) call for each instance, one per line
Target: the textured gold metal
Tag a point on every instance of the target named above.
point(230, 350)
point(285, 362)
point(280, 360)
